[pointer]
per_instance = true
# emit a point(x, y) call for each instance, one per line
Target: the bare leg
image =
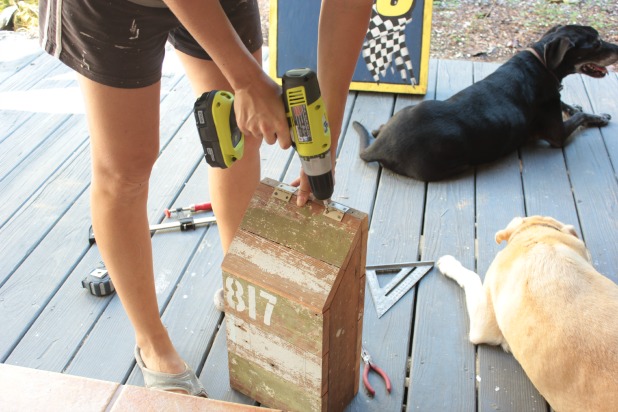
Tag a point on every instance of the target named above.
point(232, 188)
point(124, 131)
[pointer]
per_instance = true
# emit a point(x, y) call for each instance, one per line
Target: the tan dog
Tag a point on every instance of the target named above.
point(543, 300)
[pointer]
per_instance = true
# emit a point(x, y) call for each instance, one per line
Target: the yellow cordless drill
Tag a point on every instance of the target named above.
point(223, 142)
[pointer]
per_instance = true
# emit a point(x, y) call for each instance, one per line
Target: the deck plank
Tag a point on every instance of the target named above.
point(442, 358)
point(54, 153)
point(602, 95)
point(51, 323)
point(359, 174)
point(502, 384)
point(594, 185)
point(394, 237)
point(17, 52)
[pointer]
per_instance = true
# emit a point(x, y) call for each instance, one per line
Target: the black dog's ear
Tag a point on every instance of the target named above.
point(555, 51)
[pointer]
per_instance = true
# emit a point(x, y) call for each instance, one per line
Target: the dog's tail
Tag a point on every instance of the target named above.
point(366, 139)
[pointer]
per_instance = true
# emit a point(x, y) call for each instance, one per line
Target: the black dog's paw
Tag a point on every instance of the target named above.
point(600, 120)
point(607, 118)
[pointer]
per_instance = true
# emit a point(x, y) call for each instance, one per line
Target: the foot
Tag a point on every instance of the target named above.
point(185, 381)
point(167, 361)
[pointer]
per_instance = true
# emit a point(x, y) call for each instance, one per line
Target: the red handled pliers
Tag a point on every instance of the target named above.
point(370, 365)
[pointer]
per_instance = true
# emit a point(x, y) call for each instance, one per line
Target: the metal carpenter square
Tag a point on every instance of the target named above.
point(408, 274)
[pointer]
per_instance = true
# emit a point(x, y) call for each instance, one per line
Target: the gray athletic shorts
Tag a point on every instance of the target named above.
point(121, 44)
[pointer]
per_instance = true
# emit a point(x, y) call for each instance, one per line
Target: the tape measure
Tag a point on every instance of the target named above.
point(98, 282)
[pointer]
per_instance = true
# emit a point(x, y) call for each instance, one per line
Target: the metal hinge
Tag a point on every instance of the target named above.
point(284, 192)
point(335, 211)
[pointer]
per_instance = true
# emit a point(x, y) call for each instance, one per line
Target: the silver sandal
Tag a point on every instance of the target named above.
point(186, 381)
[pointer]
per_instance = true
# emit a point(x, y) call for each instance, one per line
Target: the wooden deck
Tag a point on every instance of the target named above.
point(49, 322)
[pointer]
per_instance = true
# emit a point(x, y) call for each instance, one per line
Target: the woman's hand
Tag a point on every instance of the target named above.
point(260, 112)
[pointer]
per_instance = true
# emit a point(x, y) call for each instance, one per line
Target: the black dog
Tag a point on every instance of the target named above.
point(518, 102)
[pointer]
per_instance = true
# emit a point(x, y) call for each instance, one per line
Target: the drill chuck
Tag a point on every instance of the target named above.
point(319, 173)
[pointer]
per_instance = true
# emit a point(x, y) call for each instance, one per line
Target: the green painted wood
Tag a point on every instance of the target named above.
point(259, 382)
point(442, 358)
point(501, 382)
point(289, 320)
point(306, 229)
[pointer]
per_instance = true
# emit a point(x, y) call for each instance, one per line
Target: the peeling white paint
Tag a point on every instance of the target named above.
point(273, 354)
point(294, 272)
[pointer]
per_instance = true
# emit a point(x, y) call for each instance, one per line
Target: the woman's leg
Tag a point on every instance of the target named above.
point(124, 132)
point(232, 188)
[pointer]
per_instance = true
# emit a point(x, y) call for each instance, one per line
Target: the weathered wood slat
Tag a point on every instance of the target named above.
point(442, 358)
point(63, 188)
point(216, 375)
point(60, 148)
point(165, 183)
point(21, 143)
point(169, 249)
point(26, 228)
point(395, 236)
point(595, 187)
point(302, 229)
point(502, 384)
point(279, 268)
point(31, 76)
point(46, 267)
point(293, 306)
point(42, 67)
point(602, 96)
point(16, 53)
point(30, 288)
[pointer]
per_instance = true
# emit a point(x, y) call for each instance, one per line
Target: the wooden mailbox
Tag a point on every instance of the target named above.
point(294, 282)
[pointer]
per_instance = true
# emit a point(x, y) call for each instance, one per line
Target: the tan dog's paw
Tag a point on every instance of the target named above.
point(449, 266)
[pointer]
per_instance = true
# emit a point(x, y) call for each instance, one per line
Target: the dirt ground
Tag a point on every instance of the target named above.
point(494, 30)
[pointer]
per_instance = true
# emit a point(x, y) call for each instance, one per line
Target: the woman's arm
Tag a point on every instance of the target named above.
point(342, 28)
point(257, 104)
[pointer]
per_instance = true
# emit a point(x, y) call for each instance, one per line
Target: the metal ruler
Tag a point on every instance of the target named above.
point(408, 274)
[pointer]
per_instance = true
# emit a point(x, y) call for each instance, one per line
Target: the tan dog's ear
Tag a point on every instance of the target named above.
point(505, 234)
point(570, 229)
